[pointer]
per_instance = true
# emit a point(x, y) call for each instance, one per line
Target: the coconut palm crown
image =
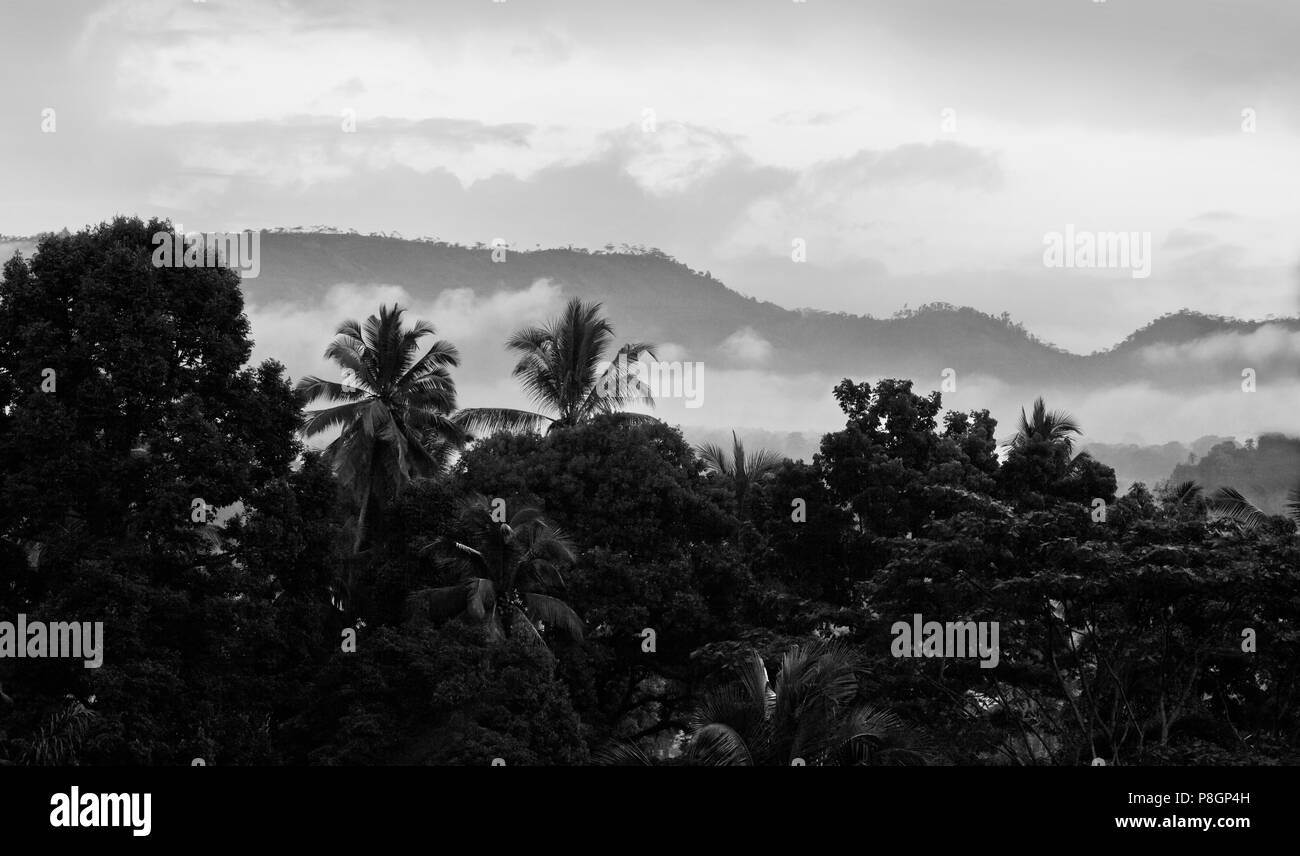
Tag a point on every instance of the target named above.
point(741, 469)
point(1054, 426)
point(567, 369)
point(504, 570)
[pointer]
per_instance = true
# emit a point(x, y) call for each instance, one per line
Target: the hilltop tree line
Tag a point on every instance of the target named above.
point(576, 584)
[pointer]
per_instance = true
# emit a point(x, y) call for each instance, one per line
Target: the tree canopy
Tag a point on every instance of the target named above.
point(601, 592)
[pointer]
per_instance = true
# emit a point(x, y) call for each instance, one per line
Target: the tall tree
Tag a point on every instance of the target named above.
point(127, 416)
point(394, 411)
point(1041, 465)
point(886, 463)
point(568, 371)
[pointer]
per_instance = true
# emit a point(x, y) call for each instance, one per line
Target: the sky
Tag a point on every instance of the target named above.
point(920, 151)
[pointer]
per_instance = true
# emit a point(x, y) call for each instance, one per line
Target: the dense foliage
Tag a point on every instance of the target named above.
point(601, 592)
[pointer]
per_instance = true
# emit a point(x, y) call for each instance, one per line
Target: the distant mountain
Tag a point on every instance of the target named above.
point(1264, 471)
point(660, 299)
point(1150, 465)
point(657, 297)
point(1186, 327)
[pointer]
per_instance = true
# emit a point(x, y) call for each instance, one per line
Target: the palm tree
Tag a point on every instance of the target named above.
point(740, 469)
point(1228, 503)
point(563, 368)
point(394, 412)
point(1054, 426)
point(1186, 493)
point(503, 573)
point(1185, 500)
point(810, 713)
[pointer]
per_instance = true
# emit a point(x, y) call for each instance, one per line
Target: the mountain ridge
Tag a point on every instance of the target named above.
point(652, 296)
point(1170, 328)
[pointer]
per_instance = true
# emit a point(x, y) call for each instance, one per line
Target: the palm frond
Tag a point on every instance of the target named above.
point(480, 598)
point(762, 462)
point(872, 735)
point(437, 603)
point(319, 421)
point(753, 677)
point(1293, 503)
point(715, 459)
point(462, 557)
point(1053, 426)
point(311, 388)
point(350, 356)
point(621, 754)
point(553, 612)
point(1187, 492)
point(1227, 503)
point(625, 419)
point(484, 421)
point(717, 745)
point(352, 330)
point(439, 356)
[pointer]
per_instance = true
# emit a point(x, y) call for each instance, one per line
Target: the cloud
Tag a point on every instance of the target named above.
point(1268, 344)
point(746, 347)
point(738, 397)
point(946, 163)
point(304, 150)
point(866, 206)
point(470, 316)
point(1187, 239)
point(671, 157)
point(351, 88)
point(671, 352)
point(547, 48)
point(1137, 411)
point(1125, 412)
point(810, 117)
